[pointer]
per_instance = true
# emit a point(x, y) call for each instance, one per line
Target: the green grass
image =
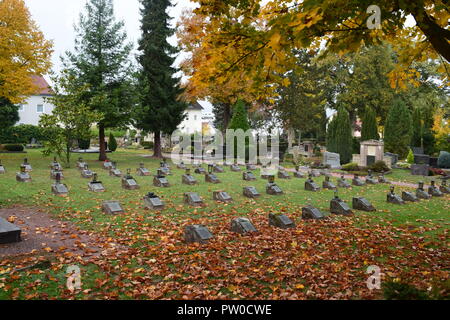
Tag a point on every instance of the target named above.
point(83, 207)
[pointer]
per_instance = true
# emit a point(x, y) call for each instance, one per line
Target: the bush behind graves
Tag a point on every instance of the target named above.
point(13, 147)
point(23, 134)
point(410, 157)
point(379, 166)
point(112, 143)
point(444, 160)
point(350, 167)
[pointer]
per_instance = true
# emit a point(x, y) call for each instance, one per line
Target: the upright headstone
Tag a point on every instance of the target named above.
point(142, 170)
point(360, 203)
point(59, 188)
point(312, 213)
point(342, 183)
point(280, 221)
point(394, 198)
point(153, 202)
point(9, 233)
point(310, 185)
point(434, 190)
point(251, 192)
point(272, 188)
point(332, 159)
point(193, 199)
point(420, 169)
point(86, 173)
point(370, 178)
point(222, 196)
point(27, 166)
point(338, 206)
point(197, 233)
point(95, 185)
point(421, 159)
point(357, 181)
point(327, 184)
point(242, 226)
point(421, 193)
point(112, 207)
point(23, 175)
point(393, 156)
point(128, 182)
point(188, 179)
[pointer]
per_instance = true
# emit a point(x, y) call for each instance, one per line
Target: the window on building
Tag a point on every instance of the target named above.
point(40, 108)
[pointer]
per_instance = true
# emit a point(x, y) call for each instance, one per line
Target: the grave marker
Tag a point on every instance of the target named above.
point(9, 233)
point(338, 206)
point(163, 169)
point(107, 164)
point(200, 170)
point(54, 172)
point(248, 176)
point(394, 198)
point(222, 196)
point(420, 192)
point(251, 192)
point(297, 173)
point(128, 182)
point(311, 213)
point(113, 171)
point(55, 165)
point(434, 191)
point(310, 185)
point(242, 226)
point(272, 188)
point(142, 171)
point(280, 221)
point(23, 175)
point(250, 167)
point(409, 197)
point(59, 188)
point(81, 164)
point(282, 174)
point(357, 181)
point(197, 233)
point(160, 181)
point(235, 168)
point(86, 173)
point(370, 179)
point(382, 179)
point(332, 159)
point(181, 165)
point(362, 204)
point(342, 183)
point(112, 207)
point(444, 188)
point(188, 179)
point(193, 199)
point(218, 169)
point(27, 166)
point(95, 185)
point(420, 169)
point(327, 184)
point(153, 202)
point(315, 173)
point(210, 176)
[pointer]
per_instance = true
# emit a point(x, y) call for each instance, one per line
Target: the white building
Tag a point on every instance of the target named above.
point(197, 120)
point(35, 106)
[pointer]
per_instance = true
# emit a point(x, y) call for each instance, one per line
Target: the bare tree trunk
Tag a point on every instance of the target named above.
point(101, 141)
point(157, 145)
point(226, 117)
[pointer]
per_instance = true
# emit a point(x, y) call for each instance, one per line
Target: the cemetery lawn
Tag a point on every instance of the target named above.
point(143, 255)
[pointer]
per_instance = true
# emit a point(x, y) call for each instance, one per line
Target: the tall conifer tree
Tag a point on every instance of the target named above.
point(343, 135)
point(398, 129)
point(416, 140)
point(369, 126)
point(160, 109)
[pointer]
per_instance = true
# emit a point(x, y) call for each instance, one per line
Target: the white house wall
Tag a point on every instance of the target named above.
point(193, 122)
point(29, 114)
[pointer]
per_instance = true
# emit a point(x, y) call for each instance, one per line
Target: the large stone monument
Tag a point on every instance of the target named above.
point(371, 151)
point(332, 159)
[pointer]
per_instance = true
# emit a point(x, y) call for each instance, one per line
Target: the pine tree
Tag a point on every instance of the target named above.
point(398, 129)
point(112, 145)
point(101, 61)
point(331, 136)
point(369, 126)
point(160, 109)
point(416, 140)
point(240, 118)
point(9, 114)
point(343, 135)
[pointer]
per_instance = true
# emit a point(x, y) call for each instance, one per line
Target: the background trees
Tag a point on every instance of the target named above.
point(160, 109)
point(339, 137)
point(100, 60)
point(369, 128)
point(398, 129)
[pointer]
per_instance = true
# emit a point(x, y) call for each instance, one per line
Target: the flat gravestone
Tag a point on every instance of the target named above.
point(357, 181)
point(96, 186)
point(327, 184)
point(222, 196)
point(420, 169)
point(197, 233)
point(242, 226)
point(273, 189)
point(310, 185)
point(251, 192)
point(188, 179)
point(218, 169)
point(23, 175)
point(129, 183)
point(112, 207)
point(338, 206)
point(86, 173)
point(299, 174)
point(200, 170)
point(193, 199)
point(54, 173)
point(362, 204)
point(161, 182)
point(81, 164)
point(311, 213)
point(56, 166)
point(280, 221)
point(114, 172)
point(235, 168)
point(142, 171)
point(409, 197)
point(107, 165)
point(342, 183)
point(421, 193)
point(283, 175)
point(434, 191)
point(164, 171)
point(315, 173)
point(181, 166)
point(27, 166)
point(153, 202)
point(382, 179)
point(60, 189)
point(248, 176)
point(394, 198)
point(371, 179)
point(211, 178)
point(444, 188)
point(9, 233)
point(250, 167)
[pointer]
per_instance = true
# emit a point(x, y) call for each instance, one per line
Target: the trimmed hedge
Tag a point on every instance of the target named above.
point(350, 167)
point(379, 166)
point(13, 147)
point(23, 134)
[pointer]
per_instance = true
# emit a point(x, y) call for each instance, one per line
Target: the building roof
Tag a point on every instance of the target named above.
point(43, 86)
point(195, 106)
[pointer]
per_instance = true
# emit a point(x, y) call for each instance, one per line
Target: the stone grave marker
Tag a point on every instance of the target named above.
point(311, 213)
point(112, 207)
point(248, 176)
point(163, 169)
point(54, 173)
point(357, 181)
point(338, 206)
point(165, 164)
point(360, 203)
point(218, 169)
point(128, 182)
point(332, 159)
point(242, 226)
point(188, 179)
point(222, 196)
point(272, 188)
point(81, 164)
point(210, 176)
point(250, 167)
point(59, 188)
point(9, 233)
point(160, 181)
point(310, 185)
point(95, 185)
point(393, 156)
point(2, 168)
point(235, 168)
point(251, 192)
point(409, 197)
point(181, 165)
point(382, 179)
point(55, 165)
point(421, 193)
point(265, 172)
point(342, 183)
point(86, 173)
point(434, 191)
point(327, 184)
point(298, 174)
point(153, 202)
point(315, 173)
point(142, 171)
point(27, 166)
point(193, 199)
point(420, 169)
point(394, 198)
point(197, 233)
point(325, 173)
point(444, 188)
point(282, 174)
point(421, 159)
point(370, 179)
point(200, 170)
point(280, 221)
point(114, 172)
point(23, 175)
point(107, 164)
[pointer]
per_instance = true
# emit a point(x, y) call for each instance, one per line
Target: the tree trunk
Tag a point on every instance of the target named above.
point(101, 141)
point(157, 145)
point(226, 117)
